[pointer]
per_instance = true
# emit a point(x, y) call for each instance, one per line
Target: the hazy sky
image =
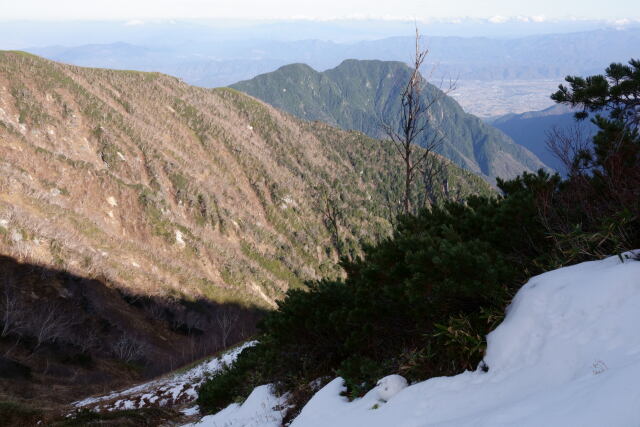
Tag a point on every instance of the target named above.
point(498, 10)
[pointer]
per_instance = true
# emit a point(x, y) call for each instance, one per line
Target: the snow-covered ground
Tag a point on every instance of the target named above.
point(567, 354)
point(261, 409)
point(178, 389)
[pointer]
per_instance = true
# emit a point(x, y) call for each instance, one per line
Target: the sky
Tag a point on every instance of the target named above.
point(498, 11)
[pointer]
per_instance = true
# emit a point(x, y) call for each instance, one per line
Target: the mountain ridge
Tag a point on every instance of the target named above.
point(150, 149)
point(358, 94)
point(533, 129)
point(132, 195)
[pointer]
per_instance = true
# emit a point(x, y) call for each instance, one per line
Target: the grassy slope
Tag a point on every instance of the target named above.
point(173, 190)
point(130, 201)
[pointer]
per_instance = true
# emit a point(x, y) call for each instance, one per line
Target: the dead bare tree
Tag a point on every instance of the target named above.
point(226, 318)
point(11, 310)
point(436, 182)
point(416, 125)
point(129, 349)
point(567, 145)
point(49, 323)
point(12, 314)
point(328, 203)
point(86, 340)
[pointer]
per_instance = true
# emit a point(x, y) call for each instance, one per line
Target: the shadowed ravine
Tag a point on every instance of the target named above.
point(66, 336)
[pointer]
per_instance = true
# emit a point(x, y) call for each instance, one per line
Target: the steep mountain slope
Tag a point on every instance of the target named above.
point(531, 130)
point(137, 208)
point(175, 189)
point(359, 94)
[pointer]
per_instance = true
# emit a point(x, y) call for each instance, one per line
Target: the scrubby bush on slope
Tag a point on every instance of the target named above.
point(421, 302)
point(418, 303)
point(596, 211)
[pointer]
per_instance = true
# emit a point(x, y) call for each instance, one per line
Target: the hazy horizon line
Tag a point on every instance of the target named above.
point(494, 19)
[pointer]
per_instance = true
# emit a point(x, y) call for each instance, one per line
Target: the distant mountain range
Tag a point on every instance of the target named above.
point(18, 34)
point(532, 130)
point(360, 95)
point(220, 62)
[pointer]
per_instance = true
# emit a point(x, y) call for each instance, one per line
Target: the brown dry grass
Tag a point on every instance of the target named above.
point(107, 167)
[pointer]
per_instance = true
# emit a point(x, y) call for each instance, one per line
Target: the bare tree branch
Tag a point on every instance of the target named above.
point(417, 118)
point(226, 319)
point(570, 146)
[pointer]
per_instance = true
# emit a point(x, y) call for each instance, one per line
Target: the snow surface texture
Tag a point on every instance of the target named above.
point(567, 354)
point(171, 390)
point(389, 386)
point(261, 409)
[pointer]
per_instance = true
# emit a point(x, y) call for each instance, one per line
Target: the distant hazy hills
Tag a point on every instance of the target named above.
point(358, 95)
point(532, 130)
point(222, 62)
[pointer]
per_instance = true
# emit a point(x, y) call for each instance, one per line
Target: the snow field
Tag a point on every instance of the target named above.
point(567, 354)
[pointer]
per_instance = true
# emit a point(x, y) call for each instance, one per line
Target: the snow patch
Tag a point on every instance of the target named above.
point(179, 388)
point(261, 409)
point(180, 239)
point(189, 412)
point(16, 236)
point(567, 353)
point(288, 201)
point(389, 386)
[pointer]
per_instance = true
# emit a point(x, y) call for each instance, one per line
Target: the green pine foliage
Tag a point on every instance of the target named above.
point(421, 302)
point(596, 211)
point(418, 303)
